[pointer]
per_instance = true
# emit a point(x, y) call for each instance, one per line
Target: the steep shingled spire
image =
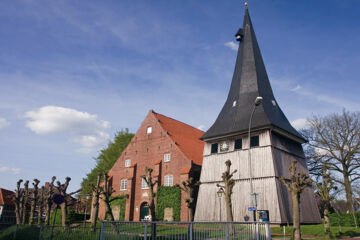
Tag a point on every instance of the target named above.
point(249, 81)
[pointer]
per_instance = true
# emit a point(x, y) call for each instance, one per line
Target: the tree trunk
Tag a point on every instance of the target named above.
point(63, 214)
point(349, 196)
point(327, 222)
point(295, 197)
point(17, 213)
point(94, 211)
point(48, 211)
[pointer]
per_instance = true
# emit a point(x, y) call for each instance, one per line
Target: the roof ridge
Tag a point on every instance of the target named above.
point(176, 120)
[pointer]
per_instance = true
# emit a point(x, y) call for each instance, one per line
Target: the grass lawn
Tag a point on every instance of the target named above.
point(318, 231)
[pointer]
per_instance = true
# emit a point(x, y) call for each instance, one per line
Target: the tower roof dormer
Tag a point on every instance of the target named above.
point(249, 81)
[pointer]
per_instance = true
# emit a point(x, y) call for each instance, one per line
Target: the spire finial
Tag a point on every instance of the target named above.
point(246, 3)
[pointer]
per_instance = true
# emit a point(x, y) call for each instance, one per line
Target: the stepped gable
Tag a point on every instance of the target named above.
point(249, 81)
point(187, 138)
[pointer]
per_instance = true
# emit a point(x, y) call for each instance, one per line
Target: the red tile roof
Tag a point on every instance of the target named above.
point(186, 137)
point(6, 197)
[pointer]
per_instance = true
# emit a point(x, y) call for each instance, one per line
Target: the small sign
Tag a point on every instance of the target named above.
point(251, 208)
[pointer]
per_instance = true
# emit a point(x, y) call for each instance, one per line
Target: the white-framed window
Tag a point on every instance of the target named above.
point(168, 180)
point(167, 157)
point(127, 163)
point(144, 184)
point(149, 130)
point(123, 184)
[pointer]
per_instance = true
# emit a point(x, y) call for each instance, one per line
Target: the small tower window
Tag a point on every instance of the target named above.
point(167, 157)
point(214, 148)
point(149, 130)
point(238, 144)
point(254, 142)
point(234, 103)
point(127, 163)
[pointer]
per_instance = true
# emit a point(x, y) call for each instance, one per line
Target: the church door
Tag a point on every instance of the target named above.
point(144, 210)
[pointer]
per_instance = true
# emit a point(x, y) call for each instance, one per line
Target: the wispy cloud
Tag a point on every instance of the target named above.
point(4, 169)
point(232, 45)
point(298, 87)
point(201, 127)
point(4, 123)
point(82, 127)
point(299, 123)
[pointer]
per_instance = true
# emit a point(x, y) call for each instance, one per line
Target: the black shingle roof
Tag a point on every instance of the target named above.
point(249, 81)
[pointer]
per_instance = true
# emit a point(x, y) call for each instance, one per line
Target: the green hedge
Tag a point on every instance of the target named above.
point(122, 202)
point(168, 197)
point(345, 219)
point(72, 217)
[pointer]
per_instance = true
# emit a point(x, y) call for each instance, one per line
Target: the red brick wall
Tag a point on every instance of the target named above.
point(147, 150)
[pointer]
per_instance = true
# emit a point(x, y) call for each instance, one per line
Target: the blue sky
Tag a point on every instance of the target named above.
point(72, 73)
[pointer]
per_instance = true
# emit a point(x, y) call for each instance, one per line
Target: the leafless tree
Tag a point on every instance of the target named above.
point(24, 202)
point(41, 203)
point(229, 183)
point(189, 186)
point(295, 185)
point(151, 184)
point(34, 199)
point(17, 200)
point(323, 190)
point(48, 199)
point(334, 140)
point(95, 203)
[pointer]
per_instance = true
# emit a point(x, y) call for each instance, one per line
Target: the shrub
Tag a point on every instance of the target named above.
point(120, 201)
point(344, 219)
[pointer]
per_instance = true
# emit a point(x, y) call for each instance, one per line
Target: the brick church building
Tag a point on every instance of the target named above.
point(171, 148)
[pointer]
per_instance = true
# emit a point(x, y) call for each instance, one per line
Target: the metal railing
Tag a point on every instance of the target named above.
point(184, 230)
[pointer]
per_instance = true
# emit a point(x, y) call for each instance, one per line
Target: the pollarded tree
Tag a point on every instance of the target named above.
point(95, 203)
point(34, 199)
point(24, 201)
point(335, 141)
point(323, 190)
point(17, 200)
point(151, 184)
point(41, 203)
point(229, 183)
point(49, 192)
point(296, 185)
point(189, 187)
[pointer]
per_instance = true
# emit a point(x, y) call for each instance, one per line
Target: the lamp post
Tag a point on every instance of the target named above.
point(257, 102)
point(87, 197)
point(219, 194)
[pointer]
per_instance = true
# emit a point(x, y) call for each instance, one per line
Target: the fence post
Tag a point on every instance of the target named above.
point(101, 230)
point(145, 231)
point(15, 231)
point(268, 231)
point(226, 231)
point(257, 231)
point(191, 230)
point(68, 233)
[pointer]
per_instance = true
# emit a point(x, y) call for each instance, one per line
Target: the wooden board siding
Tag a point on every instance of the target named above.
point(270, 160)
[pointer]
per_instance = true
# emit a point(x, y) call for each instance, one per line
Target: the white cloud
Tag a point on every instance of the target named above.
point(201, 127)
point(231, 45)
point(299, 123)
point(4, 123)
point(82, 127)
point(298, 87)
point(14, 171)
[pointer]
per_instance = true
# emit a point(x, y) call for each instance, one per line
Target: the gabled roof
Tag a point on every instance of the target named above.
point(187, 138)
point(249, 81)
point(6, 197)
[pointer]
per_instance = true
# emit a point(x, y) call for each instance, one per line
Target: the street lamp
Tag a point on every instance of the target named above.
point(87, 197)
point(219, 194)
point(257, 102)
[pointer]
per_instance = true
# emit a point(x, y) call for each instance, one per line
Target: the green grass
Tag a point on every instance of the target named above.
point(318, 231)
